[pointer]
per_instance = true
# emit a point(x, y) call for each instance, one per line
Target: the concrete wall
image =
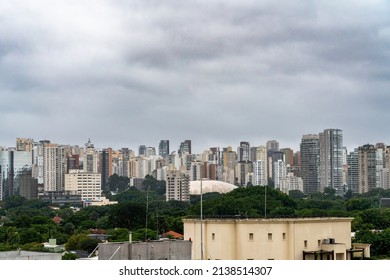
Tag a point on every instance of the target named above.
point(153, 250)
point(26, 255)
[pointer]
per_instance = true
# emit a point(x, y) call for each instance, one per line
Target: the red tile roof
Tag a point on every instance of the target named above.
point(173, 234)
point(57, 219)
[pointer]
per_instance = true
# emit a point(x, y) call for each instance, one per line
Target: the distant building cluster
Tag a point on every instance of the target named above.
point(56, 171)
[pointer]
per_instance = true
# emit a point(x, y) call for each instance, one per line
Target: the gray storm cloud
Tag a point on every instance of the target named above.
point(127, 73)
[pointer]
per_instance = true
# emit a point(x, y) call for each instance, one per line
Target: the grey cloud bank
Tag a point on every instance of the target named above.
point(125, 73)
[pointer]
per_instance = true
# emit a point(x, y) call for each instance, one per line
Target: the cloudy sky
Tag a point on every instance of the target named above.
point(126, 72)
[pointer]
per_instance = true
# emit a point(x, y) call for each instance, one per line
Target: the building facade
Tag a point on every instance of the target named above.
point(310, 162)
point(105, 165)
point(367, 168)
point(259, 173)
point(331, 159)
point(280, 173)
point(88, 185)
point(185, 147)
point(27, 185)
point(291, 183)
point(353, 171)
point(177, 185)
point(91, 158)
point(270, 239)
point(163, 148)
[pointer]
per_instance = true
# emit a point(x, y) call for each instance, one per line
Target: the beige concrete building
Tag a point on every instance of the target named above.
point(276, 239)
point(177, 185)
point(102, 201)
point(88, 185)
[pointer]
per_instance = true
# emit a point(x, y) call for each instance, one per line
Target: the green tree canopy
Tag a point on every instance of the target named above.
point(118, 183)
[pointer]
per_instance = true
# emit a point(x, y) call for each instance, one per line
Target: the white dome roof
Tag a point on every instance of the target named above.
point(210, 186)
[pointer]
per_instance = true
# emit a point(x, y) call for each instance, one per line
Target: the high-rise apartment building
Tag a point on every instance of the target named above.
point(331, 159)
point(214, 165)
point(91, 158)
point(196, 171)
point(185, 147)
point(1, 183)
point(163, 148)
point(261, 153)
point(288, 156)
point(367, 168)
point(243, 152)
point(291, 183)
point(243, 171)
point(244, 165)
point(88, 185)
point(19, 161)
point(4, 167)
point(260, 166)
point(125, 156)
point(53, 167)
point(387, 164)
point(38, 160)
point(280, 173)
point(177, 185)
point(259, 177)
point(105, 166)
point(141, 150)
point(24, 144)
point(150, 151)
point(353, 171)
point(73, 162)
point(229, 159)
point(273, 156)
point(381, 169)
point(310, 161)
point(272, 145)
point(27, 185)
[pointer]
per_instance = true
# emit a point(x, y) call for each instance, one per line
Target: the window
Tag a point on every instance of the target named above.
point(284, 236)
point(319, 242)
point(213, 236)
point(305, 243)
point(251, 236)
point(269, 236)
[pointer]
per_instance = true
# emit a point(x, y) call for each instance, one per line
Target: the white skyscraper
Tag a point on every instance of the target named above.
point(261, 154)
point(259, 173)
point(280, 173)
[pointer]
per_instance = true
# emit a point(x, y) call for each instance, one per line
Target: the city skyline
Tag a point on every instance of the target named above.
point(322, 162)
point(131, 73)
point(175, 147)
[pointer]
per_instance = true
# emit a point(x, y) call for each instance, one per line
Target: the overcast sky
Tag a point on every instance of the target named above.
point(126, 73)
